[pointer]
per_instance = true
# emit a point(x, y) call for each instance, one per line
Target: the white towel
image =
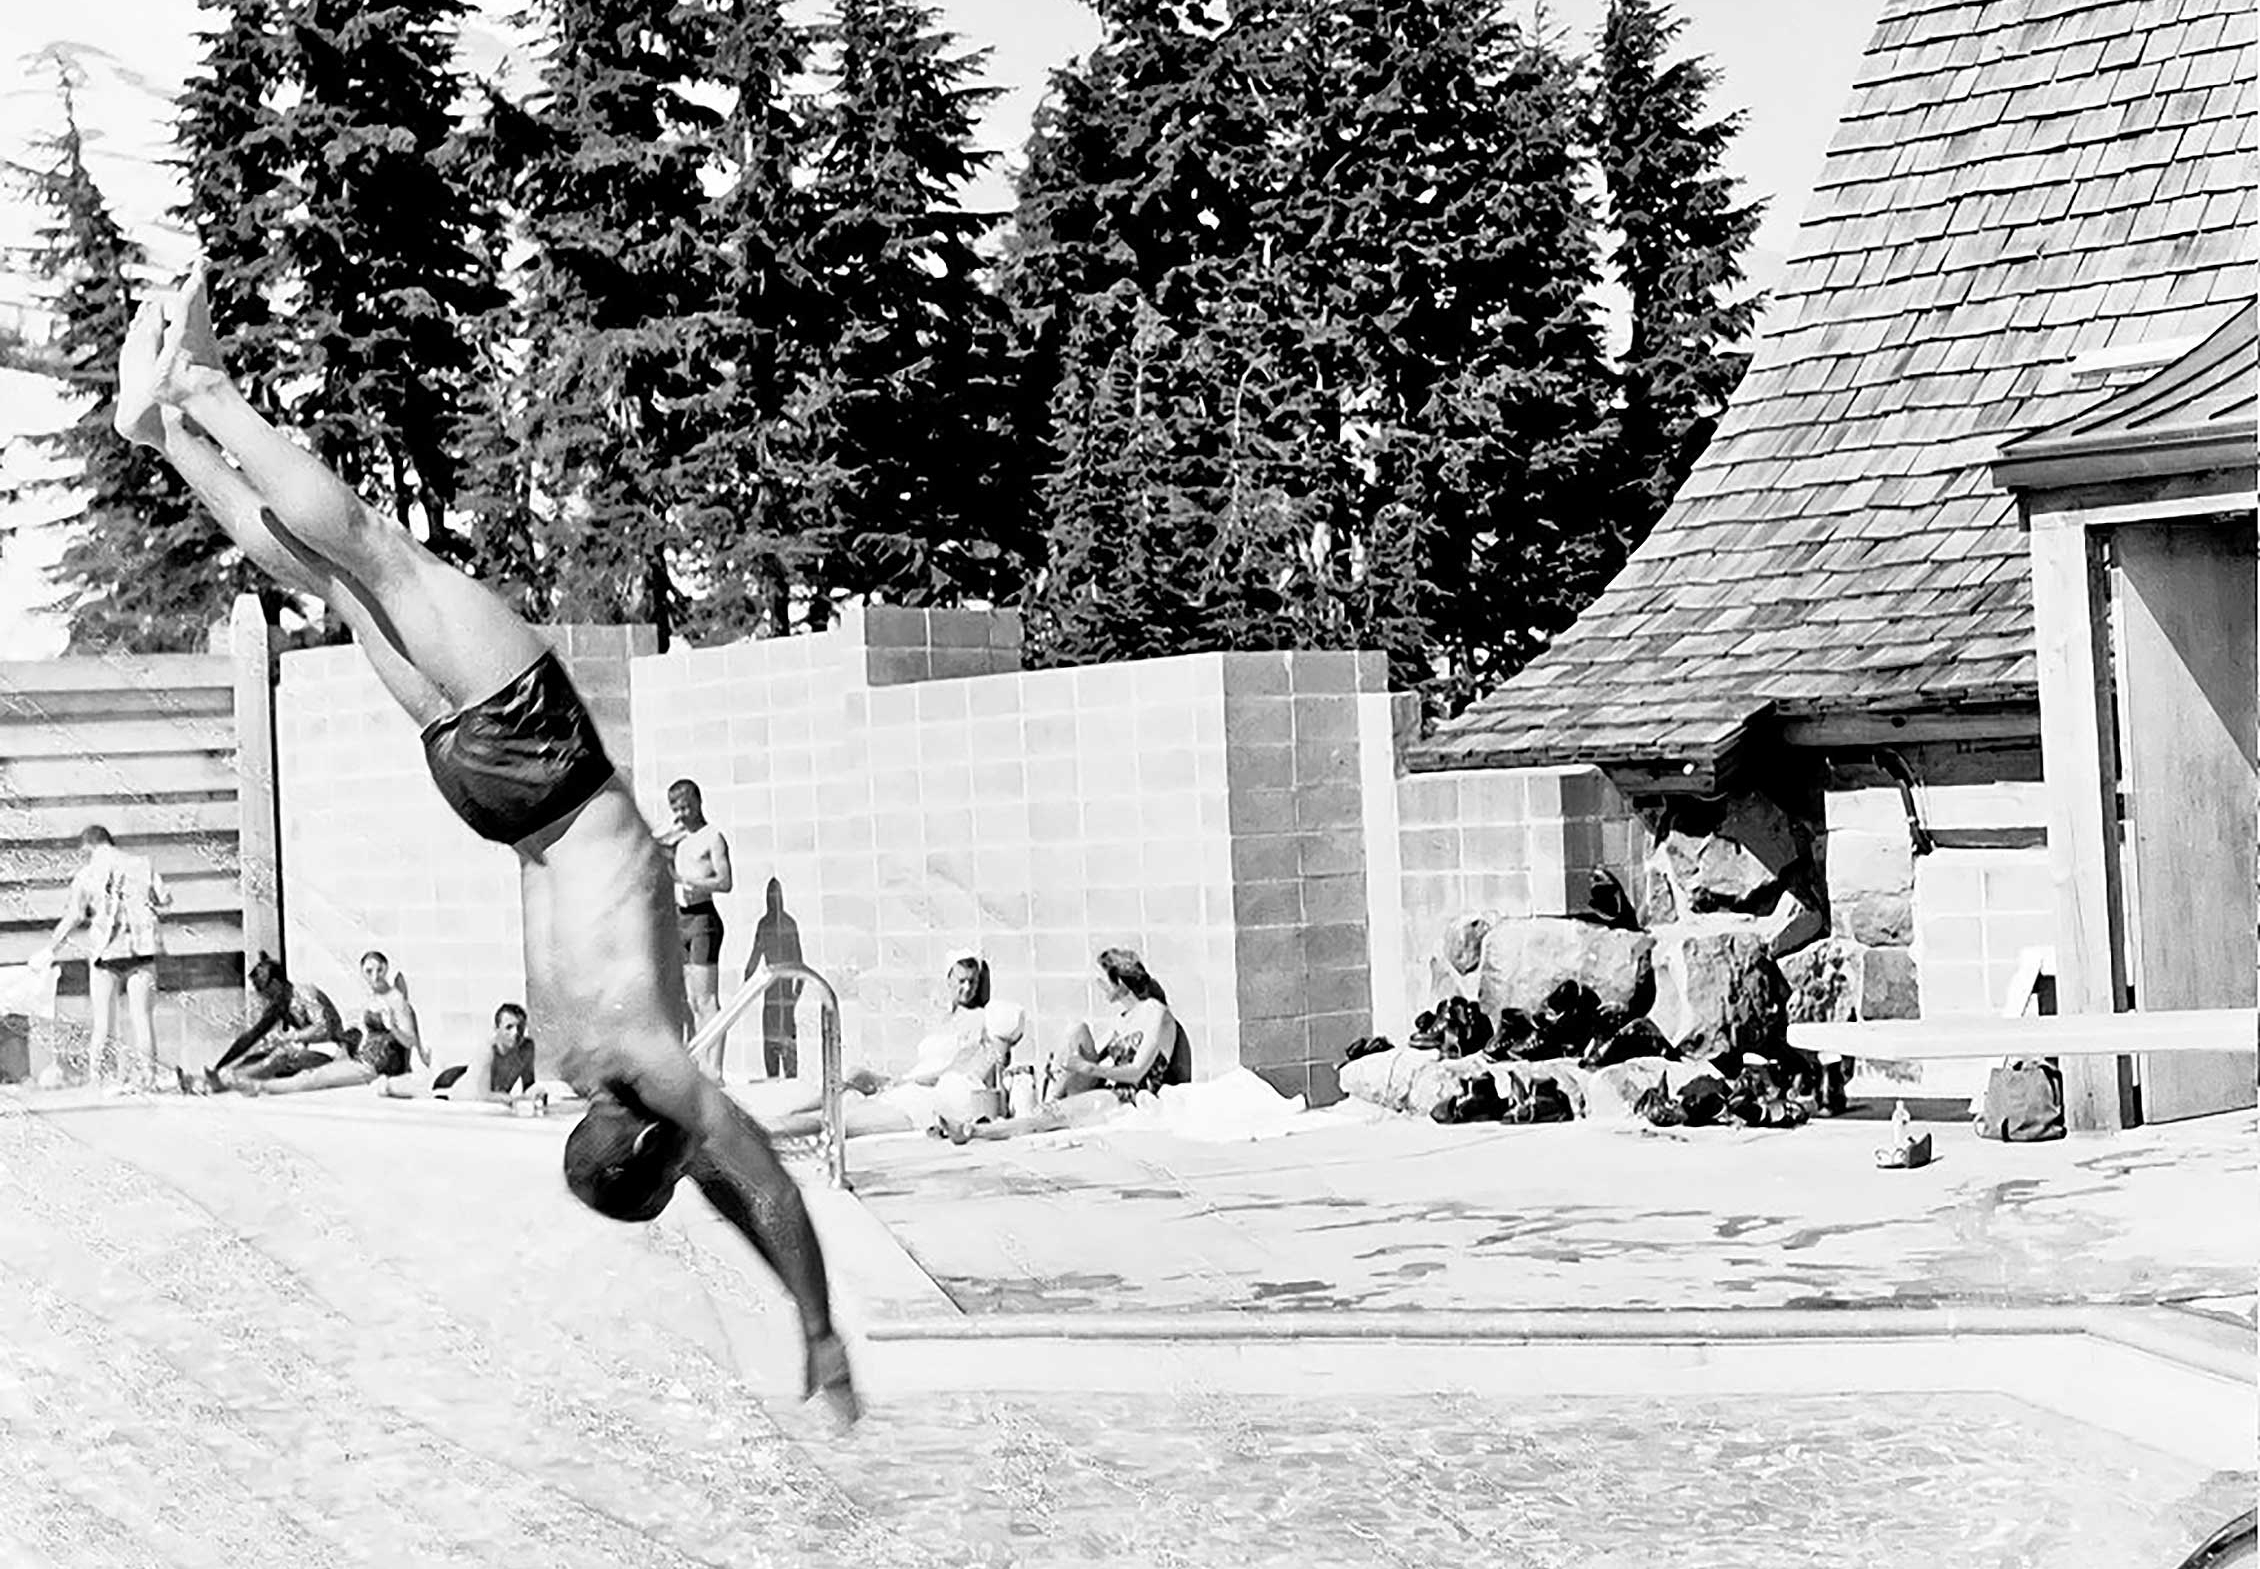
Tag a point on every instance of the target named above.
point(29, 991)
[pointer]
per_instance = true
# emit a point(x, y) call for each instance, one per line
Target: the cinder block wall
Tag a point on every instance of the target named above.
point(1517, 841)
point(1979, 905)
point(373, 858)
point(905, 792)
point(1296, 790)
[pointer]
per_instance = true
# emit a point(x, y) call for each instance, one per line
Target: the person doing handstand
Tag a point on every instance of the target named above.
point(513, 751)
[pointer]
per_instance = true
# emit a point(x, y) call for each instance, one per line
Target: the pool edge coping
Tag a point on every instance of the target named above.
point(2197, 1343)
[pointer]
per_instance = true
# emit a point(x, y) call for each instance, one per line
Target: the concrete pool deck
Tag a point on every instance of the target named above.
point(1405, 1214)
point(331, 1330)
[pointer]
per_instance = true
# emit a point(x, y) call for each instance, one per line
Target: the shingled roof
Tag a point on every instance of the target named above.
point(2018, 189)
point(2200, 413)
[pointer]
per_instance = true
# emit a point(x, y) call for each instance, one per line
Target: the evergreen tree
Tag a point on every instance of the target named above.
point(605, 174)
point(1135, 207)
point(914, 418)
point(1511, 391)
point(747, 481)
point(235, 157)
point(497, 532)
point(391, 249)
point(145, 571)
point(1681, 238)
point(1314, 282)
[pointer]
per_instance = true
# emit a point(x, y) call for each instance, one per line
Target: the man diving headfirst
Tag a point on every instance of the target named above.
point(513, 751)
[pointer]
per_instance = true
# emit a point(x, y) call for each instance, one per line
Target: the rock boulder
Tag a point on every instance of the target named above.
point(1718, 990)
point(1525, 961)
point(1733, 856)
point(1824, 982)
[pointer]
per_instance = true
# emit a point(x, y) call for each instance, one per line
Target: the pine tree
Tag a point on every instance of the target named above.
point(605, 174)
point(1681, 238)
point(747, 481)
point(918, 513)
point(391, 251)
point(145, 571)
point(497, 530)
point(235, 156)
point(1313, 284)
point(1136, 202)
point(1512, 388)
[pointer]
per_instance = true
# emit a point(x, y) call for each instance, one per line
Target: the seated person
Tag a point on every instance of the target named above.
point(388, 1031)
point(959, 1063)
point(297, 1029)
point(508, 1069)
point(1088, 1081)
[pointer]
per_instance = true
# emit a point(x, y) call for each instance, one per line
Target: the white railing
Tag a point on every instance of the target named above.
point(832, 1139)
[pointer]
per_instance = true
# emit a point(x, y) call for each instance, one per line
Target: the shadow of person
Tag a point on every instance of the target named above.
point(776, 938)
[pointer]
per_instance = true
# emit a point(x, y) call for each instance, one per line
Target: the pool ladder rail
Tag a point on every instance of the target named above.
point(831, 1140)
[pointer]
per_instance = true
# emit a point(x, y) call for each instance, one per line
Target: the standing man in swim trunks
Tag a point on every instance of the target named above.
point(116, 896)
point(514, 752)
point(702, 870)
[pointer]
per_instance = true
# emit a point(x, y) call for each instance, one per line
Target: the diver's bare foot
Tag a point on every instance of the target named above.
point(137, 414)
point(188, 361)
point(828, 1380)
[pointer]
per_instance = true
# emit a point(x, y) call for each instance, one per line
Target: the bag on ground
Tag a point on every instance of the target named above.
point(2024, 1102)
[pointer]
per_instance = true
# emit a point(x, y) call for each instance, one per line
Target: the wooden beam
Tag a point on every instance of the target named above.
point(211, 891)
point(2136, 501)
point(115, 737)
point(1826, 730)
point(108, 672)
point(132, 822)
point(131, 776)
point(258, 820)
point(2038, 1035)
point(187, 935)
point(2078, 764)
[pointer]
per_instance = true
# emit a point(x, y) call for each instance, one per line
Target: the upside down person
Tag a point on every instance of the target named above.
point(514, 753)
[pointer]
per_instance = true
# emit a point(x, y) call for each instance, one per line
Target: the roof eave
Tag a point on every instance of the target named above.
point(2120, 455)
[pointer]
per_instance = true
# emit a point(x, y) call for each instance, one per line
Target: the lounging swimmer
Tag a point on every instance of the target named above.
point(1089, 1081)
point(514, 752)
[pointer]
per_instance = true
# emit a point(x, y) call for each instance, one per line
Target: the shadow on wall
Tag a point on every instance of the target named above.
point(776, 937)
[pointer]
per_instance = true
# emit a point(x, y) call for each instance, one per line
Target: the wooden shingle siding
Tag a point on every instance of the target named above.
point(2013, 184)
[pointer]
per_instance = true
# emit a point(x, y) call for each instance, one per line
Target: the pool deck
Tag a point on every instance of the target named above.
point(1407, 1215)
point(334, 1330)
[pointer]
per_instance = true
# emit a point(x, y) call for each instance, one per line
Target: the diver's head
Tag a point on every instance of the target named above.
point(624, 1163)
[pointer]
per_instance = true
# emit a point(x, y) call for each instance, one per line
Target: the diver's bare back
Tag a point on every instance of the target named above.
point(605, 892)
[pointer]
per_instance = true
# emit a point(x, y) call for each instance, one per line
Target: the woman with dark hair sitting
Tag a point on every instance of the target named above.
point(1090, 1080)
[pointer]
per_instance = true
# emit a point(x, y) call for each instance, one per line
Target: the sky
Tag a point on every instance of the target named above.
point(1787, 65)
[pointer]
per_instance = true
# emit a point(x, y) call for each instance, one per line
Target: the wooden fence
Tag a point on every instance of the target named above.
point(174, 754)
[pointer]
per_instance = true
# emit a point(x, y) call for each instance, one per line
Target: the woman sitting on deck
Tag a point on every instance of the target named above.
point(959, 1065)
point(1089, 1081)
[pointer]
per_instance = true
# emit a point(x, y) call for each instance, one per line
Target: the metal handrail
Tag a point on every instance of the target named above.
point(832, 1138)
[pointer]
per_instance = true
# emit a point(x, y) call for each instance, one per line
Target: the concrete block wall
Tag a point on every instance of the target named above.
point(1518, 841)
point(903, 792)
point(373, 858)
point(1977, 908)
point(760, 726)
point(1296, 781)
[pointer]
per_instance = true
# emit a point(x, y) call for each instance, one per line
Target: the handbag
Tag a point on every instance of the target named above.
point(2024, 1102)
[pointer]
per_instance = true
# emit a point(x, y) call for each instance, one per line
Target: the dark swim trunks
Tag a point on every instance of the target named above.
point(702, 933)
point(516, 762)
